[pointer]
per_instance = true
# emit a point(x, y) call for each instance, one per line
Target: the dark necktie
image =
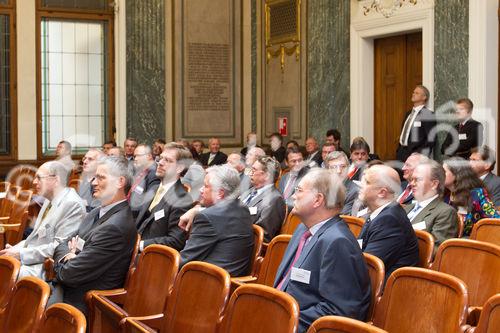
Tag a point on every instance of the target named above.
point(250, 197)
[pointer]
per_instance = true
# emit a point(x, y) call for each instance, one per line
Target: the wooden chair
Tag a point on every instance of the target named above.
point(12, 226)
point(133, 261)
point(291, 223)
point(337, 324)
point(9, 268)
point(486, 230)
point(489, 321)
point(258, 308)
point(418, 300)
point(461, 225)
point(425, 248)
point(476, 263)
point(146, 295)
point(63, 318)
point(74, 183)
point(354, 223)
point(196, 305)
point(376, 270)
point(25, 310)
point(258, 240)
point(4, 188)
point(9, 200)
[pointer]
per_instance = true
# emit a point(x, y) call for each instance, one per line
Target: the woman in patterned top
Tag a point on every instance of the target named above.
point(467, 193)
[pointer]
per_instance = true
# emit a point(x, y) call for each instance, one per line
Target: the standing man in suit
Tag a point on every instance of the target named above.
point(406, 197)
point(129, 147)
point(60, 216)
point(98, 255)
point(214, 156)
point(387, 232)
point(85, 190)
point(265, 203)
point(164, 203)
point(323, 267)
point(288, 182)
point(313, 158)
point(221, 233)
point(144, 179)
point(482, 160)
point(417, 132)
point(468, 133)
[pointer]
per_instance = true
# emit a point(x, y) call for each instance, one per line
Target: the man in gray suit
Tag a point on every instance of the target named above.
point(483, 161)
point(61, 214)
point(265, 203)
point(430, 212)
point(222, 233)
point(89, 168)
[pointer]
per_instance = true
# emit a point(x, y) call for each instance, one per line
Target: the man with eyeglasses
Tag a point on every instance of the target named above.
point(338, 163)
point(60, 216)
point(85, 190)
point(295, 162)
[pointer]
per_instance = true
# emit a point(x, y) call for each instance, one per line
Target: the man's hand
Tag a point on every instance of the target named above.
point(186, 220)
point(11, 252)
point(69, 256)
point(72, 244)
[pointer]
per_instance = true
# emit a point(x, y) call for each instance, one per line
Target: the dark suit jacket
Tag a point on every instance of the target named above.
point(410, 198)
point(317, 159)
point(473, 131)
point(164, 230)
point(492, 183)
point(359, 173)
point(390, 237)
point(351, 194)
point(222, 235)
point(339, 283)
point(279, 154)
point(420, 139)
point(104, 260)
point(284, 181)
point(138, 195)
point(220, 158)
point(270, 213)
point(440, 219)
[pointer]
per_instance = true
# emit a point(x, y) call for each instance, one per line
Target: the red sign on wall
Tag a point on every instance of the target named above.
point(283, 126)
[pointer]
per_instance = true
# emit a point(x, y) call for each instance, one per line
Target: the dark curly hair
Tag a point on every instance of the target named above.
point(465, 180)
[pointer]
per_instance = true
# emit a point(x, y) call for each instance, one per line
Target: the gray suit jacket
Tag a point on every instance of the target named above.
point(222, 235)
point(492, 183)
point(270, 212)
point(62, 220)
point(440, 219)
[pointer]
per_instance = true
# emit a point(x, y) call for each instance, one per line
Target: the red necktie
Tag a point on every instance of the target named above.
point(352, 172)
point(302, 242)
point(405, 195)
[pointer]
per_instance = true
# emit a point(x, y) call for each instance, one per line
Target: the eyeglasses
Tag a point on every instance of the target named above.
point(39, 177)
point(337, 167)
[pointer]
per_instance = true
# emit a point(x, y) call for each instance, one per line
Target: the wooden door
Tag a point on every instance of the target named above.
point(398, 69)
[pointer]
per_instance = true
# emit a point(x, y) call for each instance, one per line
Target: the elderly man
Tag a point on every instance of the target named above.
point(144, 179)
point(313, 158)
point(411, 163)
point(214, 156)
point(430, 212)
point(251, 143)
point(85, 190)
point(237, 161)
point(252, 155)
point(288, 182)
point(63, 155)
point(323, 267)
point(129, 147)
point(164, 203)
point(338, 162)
point(60, 216)
point(482, 161)
point(97, 255)
point(387, 232)
point(222, 233)
point(264, 201)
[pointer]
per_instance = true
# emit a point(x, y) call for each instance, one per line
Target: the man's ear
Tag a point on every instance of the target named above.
point(121, 182)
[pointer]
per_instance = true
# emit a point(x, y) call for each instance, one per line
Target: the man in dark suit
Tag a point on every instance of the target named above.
point(144, 179)
point(129, 147)
point(222, 233)
point(406, 196)
point(277, 149)
point(313, 158)
point(251, 143)
point(163, 205)
point(288, 182)
point(85, 190)
point(214, 156)
point(468, 133)
point(98, 255)
point(417, 131)
point(265, 203)
point(430, 212)
point(323, 267)
point(387, 232)
point(360, 155)
point(482, 160)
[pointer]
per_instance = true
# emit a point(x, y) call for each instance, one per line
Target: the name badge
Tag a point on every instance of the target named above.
point(462, 136)
point(417, 124)
point(360, 242)
point(419, 226)
point(462, 210)
point(362, 212)
point(3, 195)
point(139, 190)
point(159, 214)
point(300, 275)
point(79, 244)
point(253, 210)
point(42, 232)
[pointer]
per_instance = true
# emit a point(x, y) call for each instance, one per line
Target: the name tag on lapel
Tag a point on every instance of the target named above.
point(253, 210)
point(139, 190)
point(300, 275)
point(462, 136)
point(80, 243)
point(159, 214)
point(419, 226)
point(417, 124)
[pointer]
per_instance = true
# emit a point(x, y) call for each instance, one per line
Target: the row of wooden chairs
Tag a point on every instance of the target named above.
point(13, 213)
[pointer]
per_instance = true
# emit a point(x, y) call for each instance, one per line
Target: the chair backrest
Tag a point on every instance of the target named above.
point(291, 223)
point(4, 188)
point(23, 177)
point(258, 240)
point(74, 183)
point(133, 261)
point(486, 230)
point(9, 200)
point(272, 259)
point(489, 321)
point(376, 270)
point(19, 215)
point(25, 310)
point(63, 318)
point(417, 300)
point(257, 308)
point(200, 295)
point(153, 281)
point(476, 263)
point(354, 223)
point(461, 225)
point(425, 248)
point(9, 268)
point(337, 324)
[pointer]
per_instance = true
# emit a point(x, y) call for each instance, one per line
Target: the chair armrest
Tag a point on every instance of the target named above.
point(110, 312)
point(116, 295)
point(4, 218)
point(9, 227)
point(150, 323)
point(244, 279)
point(48, 267)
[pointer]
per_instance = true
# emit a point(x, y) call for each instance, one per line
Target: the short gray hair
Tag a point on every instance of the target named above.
point(334, 155)
point(226, 178)
point(437, 173)
point(118, 167)
point(147, 149)
point(330, 186)
point(56, 168)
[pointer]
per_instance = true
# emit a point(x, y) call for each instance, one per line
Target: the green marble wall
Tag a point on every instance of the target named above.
point(145, 69)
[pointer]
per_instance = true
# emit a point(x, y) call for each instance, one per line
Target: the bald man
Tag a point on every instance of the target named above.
point(387, 232)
